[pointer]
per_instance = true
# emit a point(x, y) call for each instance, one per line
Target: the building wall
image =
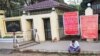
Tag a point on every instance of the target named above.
point(39, 25)
point(18, 33)
point(2, 24)
point(26, 26)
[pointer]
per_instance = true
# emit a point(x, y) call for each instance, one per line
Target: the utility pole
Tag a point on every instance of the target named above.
point(15, 43)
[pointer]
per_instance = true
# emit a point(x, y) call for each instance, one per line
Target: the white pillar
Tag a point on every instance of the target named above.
point(38, 24)
point(25, 29)
point(54, 25)
point(2, 26)
point(89, 11)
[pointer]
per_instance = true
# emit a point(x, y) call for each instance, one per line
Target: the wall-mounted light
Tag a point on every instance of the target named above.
point(53, 9)
point(24, 12)
point(89, 4)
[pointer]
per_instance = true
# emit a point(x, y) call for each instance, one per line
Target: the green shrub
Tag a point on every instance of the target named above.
point(8, 37)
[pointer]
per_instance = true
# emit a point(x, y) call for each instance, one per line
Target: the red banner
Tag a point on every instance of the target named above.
point(71, 23)
point(89, 26)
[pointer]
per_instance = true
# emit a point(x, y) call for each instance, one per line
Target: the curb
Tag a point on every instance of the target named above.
point(58, 52)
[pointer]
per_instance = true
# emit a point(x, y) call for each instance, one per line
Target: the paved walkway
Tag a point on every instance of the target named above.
point(6, 45)
point(60, 46)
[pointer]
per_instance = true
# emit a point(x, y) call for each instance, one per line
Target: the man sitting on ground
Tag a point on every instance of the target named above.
point(74, 47)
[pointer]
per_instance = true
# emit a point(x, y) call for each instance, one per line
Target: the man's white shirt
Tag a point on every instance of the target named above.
point(76, 44)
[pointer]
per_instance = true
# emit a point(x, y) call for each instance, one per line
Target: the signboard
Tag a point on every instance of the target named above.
point(13, 26)
point(71, 23)
point(89, 26)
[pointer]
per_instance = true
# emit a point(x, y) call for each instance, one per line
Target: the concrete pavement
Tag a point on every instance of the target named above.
point(62, 46)
point(6, 45)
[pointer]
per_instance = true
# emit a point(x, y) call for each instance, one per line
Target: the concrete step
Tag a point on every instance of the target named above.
point(26, 44)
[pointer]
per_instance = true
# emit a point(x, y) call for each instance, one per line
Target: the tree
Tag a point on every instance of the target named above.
point(13, 7)
point(10, 5)
point(84, 5)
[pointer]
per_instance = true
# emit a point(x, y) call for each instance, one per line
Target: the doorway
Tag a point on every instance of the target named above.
point(30, 27)
point(47, 28)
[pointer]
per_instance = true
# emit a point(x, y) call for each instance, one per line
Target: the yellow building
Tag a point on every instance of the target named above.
point(40, 21)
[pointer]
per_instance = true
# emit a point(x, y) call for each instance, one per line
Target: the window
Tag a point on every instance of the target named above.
point(60, 21)
point(13, 26)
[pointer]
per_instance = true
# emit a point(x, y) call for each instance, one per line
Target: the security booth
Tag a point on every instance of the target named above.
point(47, 18)
point(41, 21)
